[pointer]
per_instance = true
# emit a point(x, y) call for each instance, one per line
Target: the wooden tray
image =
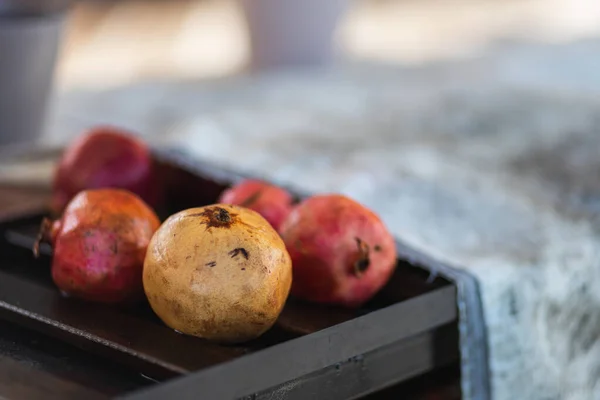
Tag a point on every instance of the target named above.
point(407, 330)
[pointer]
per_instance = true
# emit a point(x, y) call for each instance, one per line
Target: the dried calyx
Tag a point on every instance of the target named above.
point(217, 217)
point(363, 261)
point(222, 215)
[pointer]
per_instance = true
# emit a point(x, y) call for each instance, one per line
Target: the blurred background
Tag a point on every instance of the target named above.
point(111, 43)
point(106, 44)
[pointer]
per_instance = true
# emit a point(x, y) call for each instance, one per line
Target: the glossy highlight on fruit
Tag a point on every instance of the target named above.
point(218, 272)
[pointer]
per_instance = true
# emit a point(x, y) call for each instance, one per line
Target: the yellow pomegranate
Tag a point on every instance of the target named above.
point(218, 272)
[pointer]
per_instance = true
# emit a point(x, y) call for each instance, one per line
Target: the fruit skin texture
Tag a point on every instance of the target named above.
point(270, 201)
point(99, 245)
point(341, 251)
point(218, 272)
point(104, 157)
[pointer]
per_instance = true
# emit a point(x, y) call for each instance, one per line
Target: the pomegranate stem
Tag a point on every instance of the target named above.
point(43, 236)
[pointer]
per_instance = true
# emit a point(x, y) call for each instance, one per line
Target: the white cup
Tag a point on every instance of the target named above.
point(290, 33)
point(28, 51)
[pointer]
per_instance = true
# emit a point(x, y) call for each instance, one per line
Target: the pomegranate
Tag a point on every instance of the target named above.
point(104, 157)
point(341, 251)
point(218, 272)
point(270, 201)
point(99, 245)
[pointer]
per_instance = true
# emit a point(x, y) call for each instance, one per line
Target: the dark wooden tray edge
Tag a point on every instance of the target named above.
point(428, 312)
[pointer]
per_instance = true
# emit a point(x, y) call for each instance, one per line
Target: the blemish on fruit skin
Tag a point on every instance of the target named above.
point(240, 250)
point(211, 264)
point(377, 247)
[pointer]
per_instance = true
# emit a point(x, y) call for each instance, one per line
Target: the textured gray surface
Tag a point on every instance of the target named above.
point(490, 164)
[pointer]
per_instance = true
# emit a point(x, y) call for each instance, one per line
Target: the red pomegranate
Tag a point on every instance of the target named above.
point(104, 157)
point(341, 251)
point(99, 245)
point(270, 201)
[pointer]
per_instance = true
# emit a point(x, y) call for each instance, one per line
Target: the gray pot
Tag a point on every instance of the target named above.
point(29, 45)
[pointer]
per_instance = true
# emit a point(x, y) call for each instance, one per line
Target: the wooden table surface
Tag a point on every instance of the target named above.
point(21, 200)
